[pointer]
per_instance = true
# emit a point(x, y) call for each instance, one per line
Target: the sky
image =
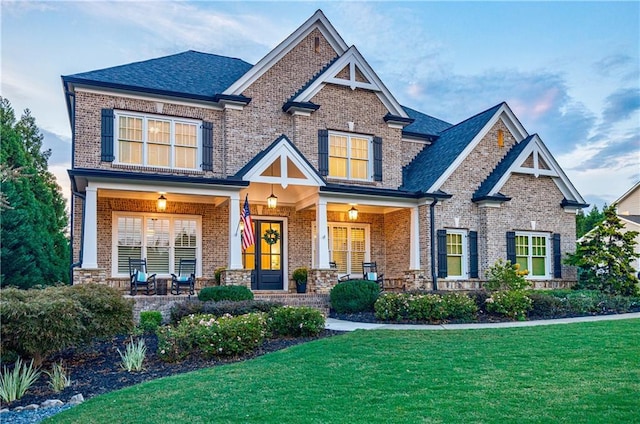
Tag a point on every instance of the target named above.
point(570, 71)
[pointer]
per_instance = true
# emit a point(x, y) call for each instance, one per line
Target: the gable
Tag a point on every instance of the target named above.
point(281, 163)
point(316, 22)
point(629, 203)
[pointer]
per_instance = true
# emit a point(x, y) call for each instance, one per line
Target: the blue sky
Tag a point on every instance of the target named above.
point(569, 70)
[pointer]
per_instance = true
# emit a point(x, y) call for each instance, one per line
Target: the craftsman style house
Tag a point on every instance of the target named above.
point(335, 172)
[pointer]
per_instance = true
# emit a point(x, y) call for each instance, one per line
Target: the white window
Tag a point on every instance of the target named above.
point(160, 239)
point(350, 156)
point(457, 254)
point(349, 246)
point(157, 141)
point(533, 254)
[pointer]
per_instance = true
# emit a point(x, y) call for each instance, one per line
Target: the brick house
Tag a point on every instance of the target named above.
point(357, 177)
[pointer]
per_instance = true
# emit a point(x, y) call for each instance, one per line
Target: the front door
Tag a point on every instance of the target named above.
point(265, 256)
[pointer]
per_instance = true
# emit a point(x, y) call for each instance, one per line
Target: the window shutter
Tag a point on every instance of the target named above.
point(207, 146)
point(106, 138)
point(511, 246)
point(377, 158)
point(557, 257)
point(323, 152)
point(442, 253)
point(473, 254)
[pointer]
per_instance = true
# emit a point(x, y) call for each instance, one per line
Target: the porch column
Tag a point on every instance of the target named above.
point(322, 246)
point(90, 230)
point(235, 238)
point(414, 242)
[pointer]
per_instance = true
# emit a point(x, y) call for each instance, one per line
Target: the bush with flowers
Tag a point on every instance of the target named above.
point(511, 303)
point(289, 321)
point(425, 307)
point(506, 276)
point(392, 307)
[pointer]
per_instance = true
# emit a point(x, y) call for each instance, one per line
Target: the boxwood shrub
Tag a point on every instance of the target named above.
point(354, 296)
point(225, 293)
point(300, 321)
point(192, 307)
point(426, 307)
point(150, 321)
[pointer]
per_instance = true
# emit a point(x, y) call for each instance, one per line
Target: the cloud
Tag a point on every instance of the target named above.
point(621, 104)
point(60, 148)
point(620, 66)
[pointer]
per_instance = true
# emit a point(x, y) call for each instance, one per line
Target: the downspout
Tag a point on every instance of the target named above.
point(74, 192)
point(432, 212)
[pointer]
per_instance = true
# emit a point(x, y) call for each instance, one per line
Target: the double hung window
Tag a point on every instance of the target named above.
point(349, 246)
point(533, 253)
point(162, 239)
point(350, 156)
point(157, 141)
point(456, 254)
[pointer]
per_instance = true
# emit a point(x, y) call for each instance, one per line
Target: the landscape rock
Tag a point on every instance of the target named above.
point(3, 410)
point(51, 402)
point(32, 407)
point(76, 399)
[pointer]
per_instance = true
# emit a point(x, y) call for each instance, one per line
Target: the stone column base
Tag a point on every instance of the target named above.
point(236, 277)
point(89, 275)
point(417, 280)
point(321, 281)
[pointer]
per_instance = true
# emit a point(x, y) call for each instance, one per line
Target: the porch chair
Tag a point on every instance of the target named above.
point(370, 272)
point(139, 277)
point(334, 265)
point(186, 276)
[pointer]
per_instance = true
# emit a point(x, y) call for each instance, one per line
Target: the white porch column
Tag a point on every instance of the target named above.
point(414, 244)
point(90, 230)
point(322, 246)
point(235, 237)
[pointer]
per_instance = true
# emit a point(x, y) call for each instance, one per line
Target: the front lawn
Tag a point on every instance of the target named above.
point(574, 373)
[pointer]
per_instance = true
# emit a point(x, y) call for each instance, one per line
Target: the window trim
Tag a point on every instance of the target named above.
point(145, 143)
point(464, 258)
point(172, 217)
point(548, 253)
point(370, 156)
point(330, 225)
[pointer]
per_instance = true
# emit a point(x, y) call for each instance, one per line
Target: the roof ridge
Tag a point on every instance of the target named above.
point(314, 77)
point(475, 116)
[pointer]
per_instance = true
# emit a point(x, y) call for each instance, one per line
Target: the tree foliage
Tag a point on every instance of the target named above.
point(585, 223)
point(604, 257)
point(35, 249)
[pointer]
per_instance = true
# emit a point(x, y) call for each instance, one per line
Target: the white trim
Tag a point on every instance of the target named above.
point(90, 230)
point(353, 58)
point(508, 118)
point(465, 254)
point(129, 95)
point(144, 215)
point(319, 21)
point(627, 193)
point(548, 252)
point(118, 114)
point(414, 241)
point(283, 150)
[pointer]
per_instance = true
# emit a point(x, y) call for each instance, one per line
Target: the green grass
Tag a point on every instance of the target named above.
point(574, 373)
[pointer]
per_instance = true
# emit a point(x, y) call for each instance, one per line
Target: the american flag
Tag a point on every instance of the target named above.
point(248, 238)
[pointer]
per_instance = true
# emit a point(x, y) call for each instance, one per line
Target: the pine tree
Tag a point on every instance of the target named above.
point(35, 249)
point(585, 223)
point(605, 255)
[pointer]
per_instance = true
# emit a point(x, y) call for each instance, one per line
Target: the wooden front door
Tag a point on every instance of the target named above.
point(266, 258)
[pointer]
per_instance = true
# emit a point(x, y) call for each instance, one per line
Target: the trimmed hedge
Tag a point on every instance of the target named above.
point(354, 296)
point(290, 321)
point(225, 293)
point(192, 307)
point(425, 307)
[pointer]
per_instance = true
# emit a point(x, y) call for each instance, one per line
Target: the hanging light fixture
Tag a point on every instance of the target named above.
point(272, 201)
point(162, 203)
point(353, 213)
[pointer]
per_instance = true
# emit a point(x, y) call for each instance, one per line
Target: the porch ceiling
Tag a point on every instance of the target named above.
point(153, 195)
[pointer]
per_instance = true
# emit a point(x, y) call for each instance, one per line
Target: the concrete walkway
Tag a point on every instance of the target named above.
point(339, 325)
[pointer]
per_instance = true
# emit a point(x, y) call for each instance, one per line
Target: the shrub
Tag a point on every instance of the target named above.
point(426, 307)
point(174, 343)
point(217, 274)
point(582, 302)
point(225, 293)
point(37, 323)
point(289, 321)
point(183, 309)
point(15, 383)
point(392, 307)
point(479, 297)
point(226, 335)
point(300, 275)
point(133, 356)
point(546, 305)
point(150, 321)
point(511, 303)
point(59, 377)
point(505, 276)
point(354, 296)
point(459, 306)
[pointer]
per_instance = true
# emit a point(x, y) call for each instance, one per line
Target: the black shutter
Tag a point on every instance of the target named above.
point(106, 138)
point(442, 254)
point(323, 152)
point(377, 158)
point(557, 257)
point(473, 254)
point(207, 146)
point(511, 247)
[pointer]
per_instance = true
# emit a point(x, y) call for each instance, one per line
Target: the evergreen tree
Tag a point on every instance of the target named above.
point(604, 257)
point(35, 249)
point(585, 223)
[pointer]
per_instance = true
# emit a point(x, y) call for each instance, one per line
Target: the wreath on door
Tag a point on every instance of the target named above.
point(271, 236)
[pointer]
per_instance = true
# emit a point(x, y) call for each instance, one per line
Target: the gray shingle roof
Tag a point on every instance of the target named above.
point(500, 169)
point(188, 73)
point(435, 159)
point(424, 124)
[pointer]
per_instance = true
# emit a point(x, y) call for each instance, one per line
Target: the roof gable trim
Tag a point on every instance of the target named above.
point(319, 21)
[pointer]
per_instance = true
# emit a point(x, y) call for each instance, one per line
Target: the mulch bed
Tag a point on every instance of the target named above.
point(95, 369)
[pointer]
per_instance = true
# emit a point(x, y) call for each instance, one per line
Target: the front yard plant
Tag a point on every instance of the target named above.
point(431, 308)
point(133, 356)
point(219, 293)
point(354, 296)
point(59, 377)
point(14, 383)
point(295, 322)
